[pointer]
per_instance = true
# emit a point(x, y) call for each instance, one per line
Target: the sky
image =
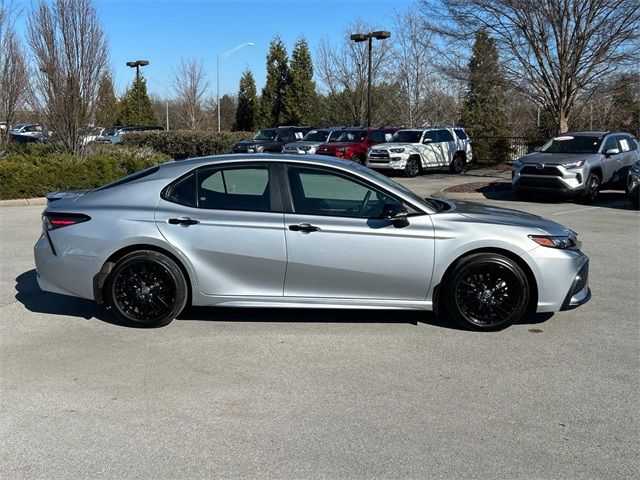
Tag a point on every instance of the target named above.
point(164, 31)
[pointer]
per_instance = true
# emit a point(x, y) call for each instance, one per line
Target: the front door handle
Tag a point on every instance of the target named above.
point(304, 227)
point(183, 221)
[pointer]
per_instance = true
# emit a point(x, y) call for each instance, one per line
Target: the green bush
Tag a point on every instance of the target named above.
point(186, 143)
point(36, 169)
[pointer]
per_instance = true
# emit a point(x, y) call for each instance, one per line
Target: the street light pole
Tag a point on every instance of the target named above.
point(361, 37)
point(224, 55)
point(137, 64)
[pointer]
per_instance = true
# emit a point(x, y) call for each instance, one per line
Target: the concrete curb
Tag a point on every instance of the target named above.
point(23, 202)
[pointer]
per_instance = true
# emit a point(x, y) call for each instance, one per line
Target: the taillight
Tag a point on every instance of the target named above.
point(53, 220)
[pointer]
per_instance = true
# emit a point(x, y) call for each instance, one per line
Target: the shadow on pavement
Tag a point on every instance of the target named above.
point(606, 199)
point(35, 300)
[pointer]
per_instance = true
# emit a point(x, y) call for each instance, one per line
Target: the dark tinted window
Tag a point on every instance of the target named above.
point(610, 143)
point(445, 136)
point(407, 136)
point(183, 191)
point(351, 136)
point(317, 136)
point(571, 144)
point(320, 192)
point(432, 135)
point(627, 143)
point(240, 188)
point(379, 136)
point(460, 133)
point(131, 178)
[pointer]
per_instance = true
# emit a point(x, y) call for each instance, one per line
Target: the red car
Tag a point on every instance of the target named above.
point(353, 143)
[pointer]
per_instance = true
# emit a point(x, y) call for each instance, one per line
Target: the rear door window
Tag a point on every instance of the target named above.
point(445, 136)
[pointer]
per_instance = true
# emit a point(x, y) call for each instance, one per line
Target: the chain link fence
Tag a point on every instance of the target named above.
point(494, 150)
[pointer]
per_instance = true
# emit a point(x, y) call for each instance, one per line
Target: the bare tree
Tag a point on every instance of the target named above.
point(13, 71)
point(191, 86)
point(71, 55)
point(343, 70)
point(412, 64)
point(553, 51)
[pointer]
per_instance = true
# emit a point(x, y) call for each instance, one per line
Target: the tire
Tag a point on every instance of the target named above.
point(457, 164)
point(412, 168)
point(359, 159)
point(487, 291)
point(591, 191)
point(146, 289)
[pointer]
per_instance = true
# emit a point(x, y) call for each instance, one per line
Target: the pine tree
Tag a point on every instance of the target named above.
point(247, 112)
point(300, 98)
point(107, 104)
point(129, 106)
point(271, 112)
point(483, 112)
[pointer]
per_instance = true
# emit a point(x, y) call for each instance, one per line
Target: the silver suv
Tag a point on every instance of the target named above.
point(416, 149)
point(577, 164)
point(312, 140)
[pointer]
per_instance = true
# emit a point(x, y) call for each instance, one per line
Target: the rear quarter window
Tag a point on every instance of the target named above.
point(461, 134)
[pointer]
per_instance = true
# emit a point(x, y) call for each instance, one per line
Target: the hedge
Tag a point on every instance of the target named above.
point(33, 170)
point(186, 143)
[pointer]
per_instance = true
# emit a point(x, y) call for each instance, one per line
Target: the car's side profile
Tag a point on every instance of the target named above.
point(293, 231)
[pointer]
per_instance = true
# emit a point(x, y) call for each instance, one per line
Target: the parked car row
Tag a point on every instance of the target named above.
point(386, 148)
point(578, 165)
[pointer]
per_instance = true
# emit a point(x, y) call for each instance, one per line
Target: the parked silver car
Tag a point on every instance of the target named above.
point(577, 164)
point(301, 231)
point(312, 140)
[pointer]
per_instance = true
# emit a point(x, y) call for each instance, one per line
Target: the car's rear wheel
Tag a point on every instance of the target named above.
point(592, 189)
point(487, 291)
point(457, 164)
point(359, 159)
point(412, 167)
point(146, 289)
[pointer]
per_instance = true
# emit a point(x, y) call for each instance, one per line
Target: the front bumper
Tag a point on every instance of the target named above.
point(393, 162)
point(549, 178)
point(579, 293)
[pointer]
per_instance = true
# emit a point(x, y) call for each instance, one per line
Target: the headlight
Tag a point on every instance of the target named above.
point(565, 242)
point(575, 164)
point(305, 148)
point(517, 164)
point(258, 148)
point(342, 149)
point(396, 150)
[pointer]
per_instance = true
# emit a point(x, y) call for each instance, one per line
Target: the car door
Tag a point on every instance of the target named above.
point(228, 221)
point(339, 247)
point(430, 149)
point(447, 147)
point(610, 163)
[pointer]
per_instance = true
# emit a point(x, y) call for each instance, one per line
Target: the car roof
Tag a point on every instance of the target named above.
point(190, 163)
point(584, 134)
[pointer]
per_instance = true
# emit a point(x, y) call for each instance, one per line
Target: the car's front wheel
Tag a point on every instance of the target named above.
point(146, 289)
point(592, 189)
point(487, 291)
point(412, 167)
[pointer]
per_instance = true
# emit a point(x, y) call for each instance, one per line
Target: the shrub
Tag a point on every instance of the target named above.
point(35, 170)
point(186, 143)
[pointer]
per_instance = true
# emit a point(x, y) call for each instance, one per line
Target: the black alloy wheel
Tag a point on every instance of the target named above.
point(412, 168)
point(457, 164)
point(487, 291)
point(147, 289)
point(592, 189)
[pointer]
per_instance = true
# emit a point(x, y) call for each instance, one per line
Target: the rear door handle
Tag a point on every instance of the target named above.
point(304, 227)
point(183, 221)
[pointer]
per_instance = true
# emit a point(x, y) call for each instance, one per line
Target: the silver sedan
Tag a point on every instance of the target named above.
point(286, 231)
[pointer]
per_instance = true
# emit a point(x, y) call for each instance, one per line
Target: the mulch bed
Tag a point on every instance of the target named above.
point(480, 187)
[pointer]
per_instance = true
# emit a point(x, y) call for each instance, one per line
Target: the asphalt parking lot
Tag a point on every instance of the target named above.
point(254, 393)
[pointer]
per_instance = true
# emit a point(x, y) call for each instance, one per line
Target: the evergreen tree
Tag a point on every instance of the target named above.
point(271, 111)
point(129, 105)
point(626, 104)
point(483, 111)
point(300, 97)
point(107, 104)
point(247, 112)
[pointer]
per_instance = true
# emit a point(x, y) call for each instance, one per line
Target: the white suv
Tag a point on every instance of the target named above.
point(413, 150)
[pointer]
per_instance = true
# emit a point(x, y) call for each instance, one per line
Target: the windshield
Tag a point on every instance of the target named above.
point(569, 144)
point(390, 183)
point(316, 136)
point(266, 134)
point(351, 136)
point(333, 136)
point(407, 136)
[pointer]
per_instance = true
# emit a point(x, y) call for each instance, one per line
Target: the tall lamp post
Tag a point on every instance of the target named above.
point(137, 64)
point(222, 56)
point(361, 37)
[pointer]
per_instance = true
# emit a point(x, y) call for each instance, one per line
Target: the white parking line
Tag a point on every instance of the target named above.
point(574, 211)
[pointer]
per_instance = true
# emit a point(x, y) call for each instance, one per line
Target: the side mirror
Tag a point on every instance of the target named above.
point(612, 151)
point(396, 213)
point(427, 140)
